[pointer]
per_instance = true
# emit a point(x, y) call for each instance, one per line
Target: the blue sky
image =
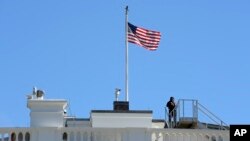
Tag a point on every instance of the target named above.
point(75, 50)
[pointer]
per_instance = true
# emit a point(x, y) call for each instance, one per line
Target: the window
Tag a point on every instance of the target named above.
point(20, 137)
point(65, 136)
point(27, 136)
point(13, 137)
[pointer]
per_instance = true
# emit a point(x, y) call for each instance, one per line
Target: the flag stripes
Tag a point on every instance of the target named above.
point(148, 39)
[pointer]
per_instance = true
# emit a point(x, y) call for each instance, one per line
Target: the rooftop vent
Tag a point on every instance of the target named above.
point(121, 106)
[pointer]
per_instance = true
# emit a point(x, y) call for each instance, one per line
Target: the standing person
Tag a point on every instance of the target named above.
point(171, 111)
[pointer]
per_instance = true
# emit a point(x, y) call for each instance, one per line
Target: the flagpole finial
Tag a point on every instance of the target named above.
point(126, 9)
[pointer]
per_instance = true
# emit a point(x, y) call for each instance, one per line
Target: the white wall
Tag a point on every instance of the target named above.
point(118, 134)
point(46, 113)
point(121, 120)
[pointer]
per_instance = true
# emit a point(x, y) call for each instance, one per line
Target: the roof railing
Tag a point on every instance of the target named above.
point(186, 114)
point(213, 117)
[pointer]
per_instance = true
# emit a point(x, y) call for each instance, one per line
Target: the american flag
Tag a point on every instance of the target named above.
point(143, 37)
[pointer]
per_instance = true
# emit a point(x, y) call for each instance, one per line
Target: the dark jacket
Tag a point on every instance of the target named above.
point(170, 105)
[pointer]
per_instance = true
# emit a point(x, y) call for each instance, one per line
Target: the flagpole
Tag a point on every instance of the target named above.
point(126, 54)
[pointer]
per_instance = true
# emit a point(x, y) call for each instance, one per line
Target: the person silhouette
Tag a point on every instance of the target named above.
point(171, 110)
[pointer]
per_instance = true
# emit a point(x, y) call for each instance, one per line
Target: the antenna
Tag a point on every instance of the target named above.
point(33, 95)
point(34, 90)
point(117, 93)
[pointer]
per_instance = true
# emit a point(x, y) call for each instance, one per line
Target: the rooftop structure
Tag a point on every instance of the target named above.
point(49, 121)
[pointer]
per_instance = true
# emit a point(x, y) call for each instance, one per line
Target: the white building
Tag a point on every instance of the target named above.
point(50, 122)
